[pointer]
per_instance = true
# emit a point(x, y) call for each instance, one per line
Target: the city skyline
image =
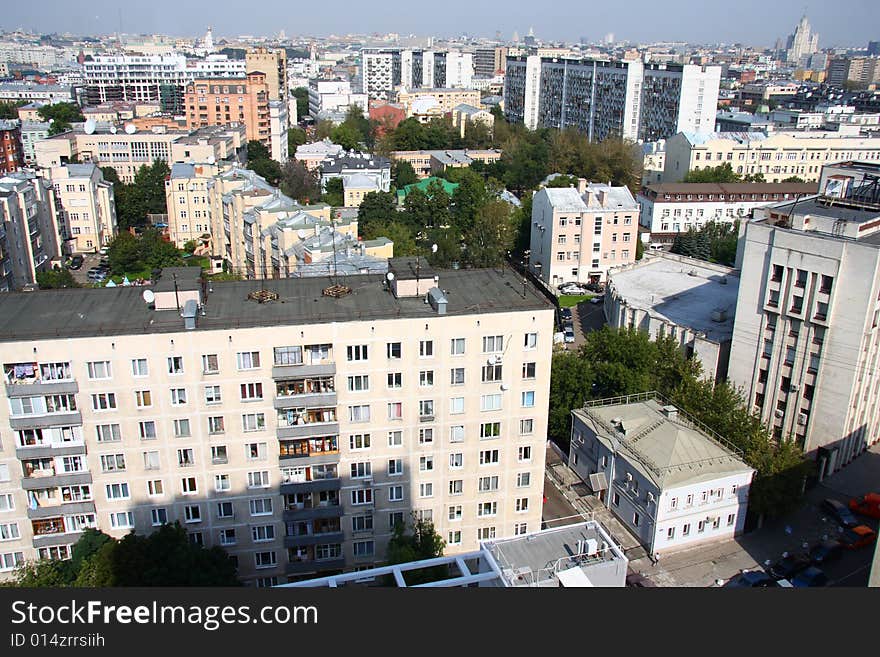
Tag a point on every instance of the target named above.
point(851, 25)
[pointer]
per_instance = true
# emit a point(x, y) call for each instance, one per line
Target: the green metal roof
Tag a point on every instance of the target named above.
point(422, 185)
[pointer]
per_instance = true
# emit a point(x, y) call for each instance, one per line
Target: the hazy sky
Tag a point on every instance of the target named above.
point(754, 22)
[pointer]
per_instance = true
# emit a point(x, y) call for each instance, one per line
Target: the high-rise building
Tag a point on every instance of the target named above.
point(296, 436)
point(273, 63)
point(11, 151)
point(611, 99)
point(87, 207)
point(806, 343)
point(383, 70)
point(803, 42)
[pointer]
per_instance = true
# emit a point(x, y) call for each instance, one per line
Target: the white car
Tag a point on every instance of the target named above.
point(569, 334)
point(572, 288)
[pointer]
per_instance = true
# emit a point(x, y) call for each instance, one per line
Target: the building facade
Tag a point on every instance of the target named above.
point(296, 438)
point(631, 100)
point(87, 207)
point(672, 482)
point(11, 152)
point(578, 234)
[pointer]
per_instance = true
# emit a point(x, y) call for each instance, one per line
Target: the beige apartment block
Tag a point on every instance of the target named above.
point(224, 101)
point(436, 101)
point(579, 233)
point(777, 156)
point(88, 207)
point(294, 432)
point(273, 64)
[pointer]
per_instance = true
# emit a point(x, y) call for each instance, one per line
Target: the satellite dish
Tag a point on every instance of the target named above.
point(130, 128)
point(112, 129)
point(211, 159)
point(89, 127)
point(149, 296)
point(433, 248)
point(390, 276)
point(504, 387)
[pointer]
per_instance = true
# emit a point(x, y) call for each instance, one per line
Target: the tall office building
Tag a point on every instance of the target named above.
point(802, 43)
point(611, 99)
point(384, 70)
point(294, 435)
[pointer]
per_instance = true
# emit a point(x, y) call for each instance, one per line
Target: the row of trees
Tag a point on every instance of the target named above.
point(164, 558)
point(616, 362)
point(146, 195)
point(724, 173)
point(714, 242)
point(135, 255)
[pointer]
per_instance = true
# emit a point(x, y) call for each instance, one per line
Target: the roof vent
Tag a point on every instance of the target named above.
point(189, 314)
point(670, 412)
point(263, 296)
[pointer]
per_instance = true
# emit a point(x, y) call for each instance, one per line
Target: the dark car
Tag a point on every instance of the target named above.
point(637, 580)
point(840, 512)
point(789, 566)
point(826, 551)
point(76, 262)
point(751, 579)
point(811, 576)
point(565, 314)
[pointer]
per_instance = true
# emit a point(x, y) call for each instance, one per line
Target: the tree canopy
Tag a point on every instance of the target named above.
point(146, 195)
point(61, 115)
point(133, 255)
point(54, 278)
point(422, 542)
point(714, 242)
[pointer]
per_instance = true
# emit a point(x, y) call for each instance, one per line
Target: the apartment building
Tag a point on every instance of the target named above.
point(671, 481)
point(87, 207)
point(295, 435)
point(273, 64)
point(29, 229)
point(805, 348)
point(671, 208)
point(44, 93)
point(365, 164)
point(776, 156)
point(435, 103)
point(311, 155)
point(11, 153)
point(31, 133)
point(380, 72)
point(432, 163)
point(579, 233)
point(383, 70)
point(329, 97)
point(627, 99)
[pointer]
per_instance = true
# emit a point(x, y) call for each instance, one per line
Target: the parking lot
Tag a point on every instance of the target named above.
point(89, 260)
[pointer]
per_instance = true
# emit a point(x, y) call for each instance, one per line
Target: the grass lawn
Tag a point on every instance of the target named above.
point(569, 300)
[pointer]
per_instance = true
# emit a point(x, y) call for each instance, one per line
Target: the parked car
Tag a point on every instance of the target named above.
point(565, 314)
point(104, 251)
point(572, 288)
point(867, 505)
point(750, 579)
point(840, 512)
point(789, 566)
point(595, 287)
point(598, 299)
point(858, 537)
point(76, 262)
point(655, 247)
point(826, 551)
point(569, 334)
point(811, 576)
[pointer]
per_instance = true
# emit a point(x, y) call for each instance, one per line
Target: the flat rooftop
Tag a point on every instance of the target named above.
point(682, 291)
point(670, 451)
point(87, 312)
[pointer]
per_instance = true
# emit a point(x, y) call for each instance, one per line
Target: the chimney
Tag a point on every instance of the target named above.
point(582, 186)
point(603, 197)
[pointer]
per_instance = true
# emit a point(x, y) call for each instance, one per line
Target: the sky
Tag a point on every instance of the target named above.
point(752, 22)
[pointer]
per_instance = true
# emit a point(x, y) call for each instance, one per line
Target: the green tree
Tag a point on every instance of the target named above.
point(9, 110)
point(298, 182)
point(563, 181)
point(335, 193)
point(268, 169)
point(302, 102)
point(376, 208)
point(477, 135)
point(295, 137)
point(323, 129)
point(256, 150)
point(110, 175)
point(794, 179)
point(640, 249)
point(347, 136)
point(468, 199)
point(571, 380)
point(403, 174)
point(54, 278)
point(448, 242)
point(61, 115)
point(491, 236)
point(723, 173)
point(400, 234)
point(421, 543)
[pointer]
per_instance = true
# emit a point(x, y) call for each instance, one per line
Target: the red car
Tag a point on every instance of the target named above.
point(869, 505)
point(858, 537)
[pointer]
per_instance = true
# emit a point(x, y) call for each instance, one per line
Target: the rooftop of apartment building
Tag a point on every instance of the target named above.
point(667, 446)
point(684, 291)
point(692, 191)
point(85, 312)
point(747, 138)
point(352, 160)
point(591, 197)
point(325, 147)
point(9, 124)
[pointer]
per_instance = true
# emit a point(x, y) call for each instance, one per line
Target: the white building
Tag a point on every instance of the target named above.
point(671, 208)
point(311, 155)
point(31, 133)
point(87, 206)
point(671, 481)
point(334, 96)
point(577, 234)
point(806, 349)
point(44, 93)
point(278, 128)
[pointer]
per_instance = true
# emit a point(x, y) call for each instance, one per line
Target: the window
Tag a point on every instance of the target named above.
point(524, 454)
point(522, 504)
point(426, 378)
point(359, 413)
point(716, 523)
point(363, 548)
point(456, 433)
point(359, 441)
point(358, 383)
point(486, 533)
point(182, 428)
point(253, 422)
point(255, 451)
point(636, 519)
point(670, 533)
point(523, 479)
point(212, 395)
point(486, 484)
point(393, 350)
point(357, 352)
point(491, 373)
point(99, 369)
point(487, 509)
point(248, 360)
point(531, 341)
point(456, 376)
point(263, 533)
point(122, 520)
point(615, 499)
point(117, 491)
point(265, 559)
point(426, 348)
point(188, 485)
point(395, 380)
point(528, 370)
point(175, 364)
point(362, 496)
point(216, 424)
point(426, 463)
point(361, 470)
point(259, 479)
point(528, 398)
point(456, 461)
point(520, 529)
point(222, 483)
point(103, 401)
point(178, 396)
point(457, 346)
point(686, 529)
point(151, 460)
point(490, 402)
point(362, 523)
point(251, 391)
point(395, 467)
point(288, 355)
point(112, 462)
point(158, 517)
point(426, 436)
point(493, 343)
point(227, 536)
point(395, 438)
point(489, 456)
point(210, 364)
point(261, 506)
point(489, 430)
point(143, 398)
point(7, 503)
point(426, 408)
point(108, 433)
point(395, 518)
point(155, 488)
point(454, 537)
point(395, 493)
point(426, 489)
point(456, 405)
point(225, 510)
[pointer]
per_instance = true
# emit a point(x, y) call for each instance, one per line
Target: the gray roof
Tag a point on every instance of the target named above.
point(86, 312)
point(669, 452)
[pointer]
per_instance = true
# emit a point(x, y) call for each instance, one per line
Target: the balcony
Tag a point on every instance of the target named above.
point(306, 400)
point(313, 486)
point(67, 508)
point(302, 512)
point(314, 566)
point(50, 449)
point(307, 368)
point(54, 479)
point(51, 540)
point(69, 418)
point(34, 387)
point(313, 539)
point(308, 430)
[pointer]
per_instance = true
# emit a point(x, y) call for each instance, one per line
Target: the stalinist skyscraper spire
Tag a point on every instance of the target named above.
point(802, 43)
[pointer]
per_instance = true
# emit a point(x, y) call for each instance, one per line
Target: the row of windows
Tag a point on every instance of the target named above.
point(488, 374)
point(364, 469)
point(685, 530)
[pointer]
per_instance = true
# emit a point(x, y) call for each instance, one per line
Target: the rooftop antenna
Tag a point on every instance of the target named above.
point(176, 297)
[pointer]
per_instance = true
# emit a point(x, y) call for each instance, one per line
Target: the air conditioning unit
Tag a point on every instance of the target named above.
point(779, 413)
point(629, 476)
point(802, 418)
point(650, 497)
point(794, 387)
